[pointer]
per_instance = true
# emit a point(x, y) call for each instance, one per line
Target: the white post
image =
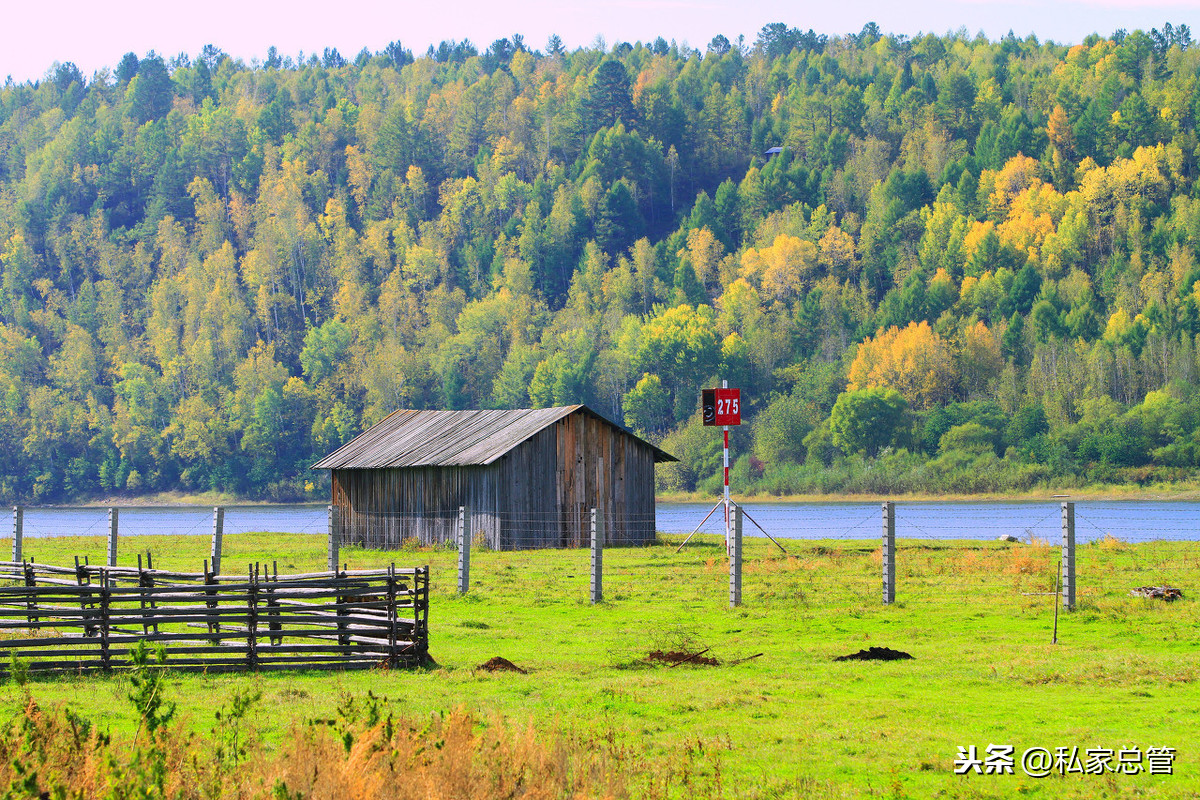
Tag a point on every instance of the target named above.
point(217, 535)
point(464, 550)
point(597, 557)
point(735, 560)
point(113, 515)
point(1068, 556)
point(335, 536)
point(18, 531)
point(888, 550)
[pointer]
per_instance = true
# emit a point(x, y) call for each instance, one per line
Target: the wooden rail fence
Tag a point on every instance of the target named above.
point(86, 618)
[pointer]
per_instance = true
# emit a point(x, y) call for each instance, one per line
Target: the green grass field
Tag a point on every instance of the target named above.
point(791, 722)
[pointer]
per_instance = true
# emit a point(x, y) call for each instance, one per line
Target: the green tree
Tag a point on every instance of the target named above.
point(127, 68)
point(619, 222)
point(648, 405)
point(680, 345)
point(325, 349)
point(608, 98)
point(151, 91)
point(779, 430)
point(867, 420)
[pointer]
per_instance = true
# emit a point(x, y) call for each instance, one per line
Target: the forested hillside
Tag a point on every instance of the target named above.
point(973, 265)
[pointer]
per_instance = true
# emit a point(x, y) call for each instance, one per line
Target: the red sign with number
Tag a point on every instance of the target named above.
point(722, 406)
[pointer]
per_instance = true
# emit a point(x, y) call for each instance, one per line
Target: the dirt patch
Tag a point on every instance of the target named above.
point(875, 654)
point(674, 658)
point(500, 664)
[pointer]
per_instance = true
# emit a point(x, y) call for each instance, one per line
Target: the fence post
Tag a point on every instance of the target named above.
point(211, 615)
point(31, 583)
point(18, 531)
point(105, 599)
point(217, 535)
point(1068, 556)
point(391, 611)
point(335, 536)
point(421, 613)
point(464, 550)
point(888, 551)
point(113, 514)
point(597, 557)
point(735, 560)
point(252, 618)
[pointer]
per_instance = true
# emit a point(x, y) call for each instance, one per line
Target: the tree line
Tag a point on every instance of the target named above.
point(941, 263)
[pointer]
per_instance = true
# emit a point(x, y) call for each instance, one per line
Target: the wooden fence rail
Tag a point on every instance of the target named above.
point(84, 618)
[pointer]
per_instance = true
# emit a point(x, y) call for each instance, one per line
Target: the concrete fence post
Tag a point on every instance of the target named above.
point(18, 531)
point(335, 538)
point(735, 560)
point(1068, 556)
point(888, 550)
point(218, 534)
point(464, 550)
point(597, 557)
point(113, 517)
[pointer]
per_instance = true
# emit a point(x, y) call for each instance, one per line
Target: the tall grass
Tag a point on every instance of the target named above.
point(368, 751)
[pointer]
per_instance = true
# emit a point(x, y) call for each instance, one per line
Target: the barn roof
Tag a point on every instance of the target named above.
point(451, 438)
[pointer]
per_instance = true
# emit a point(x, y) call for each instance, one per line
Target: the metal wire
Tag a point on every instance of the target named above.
point(944, 550)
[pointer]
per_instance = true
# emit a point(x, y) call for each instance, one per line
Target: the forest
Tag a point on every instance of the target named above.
point(939, 264)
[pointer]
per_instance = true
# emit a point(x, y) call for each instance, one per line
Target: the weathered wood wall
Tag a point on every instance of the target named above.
point(537, 495)
point(600, 466)
point(382, 508)
point(527, 507)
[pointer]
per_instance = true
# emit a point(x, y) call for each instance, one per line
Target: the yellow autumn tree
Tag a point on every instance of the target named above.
point(975, 236)
point(1032, 217)
point(1058, 130)
point(1062, 146)
point(837, 254)
point(1020, 173)
point(705, 252)
point(1141, 177)
point(914, 361)
point(980, 358)
point(782, 269)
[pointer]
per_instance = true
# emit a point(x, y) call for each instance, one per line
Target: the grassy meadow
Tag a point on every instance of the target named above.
point(777, 717)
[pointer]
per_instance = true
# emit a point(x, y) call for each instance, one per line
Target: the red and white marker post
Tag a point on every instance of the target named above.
point(723, 407)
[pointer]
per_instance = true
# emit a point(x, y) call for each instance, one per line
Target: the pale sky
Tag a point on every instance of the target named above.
point(95, 35)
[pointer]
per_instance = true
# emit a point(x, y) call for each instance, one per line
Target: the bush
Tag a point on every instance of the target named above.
point(971, 438)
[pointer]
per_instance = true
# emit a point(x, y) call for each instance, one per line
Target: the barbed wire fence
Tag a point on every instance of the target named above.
point(950, 552)
point(96, 533)
point(1153, 554)
point(827, 552)
point(1023, 553)
point(830, 552)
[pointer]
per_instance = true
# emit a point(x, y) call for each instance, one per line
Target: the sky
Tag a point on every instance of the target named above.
point(34, 35)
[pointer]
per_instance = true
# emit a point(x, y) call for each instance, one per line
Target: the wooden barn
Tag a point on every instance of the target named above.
point(529, 477)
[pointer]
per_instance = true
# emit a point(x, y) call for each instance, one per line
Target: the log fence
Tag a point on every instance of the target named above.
point(87, 618)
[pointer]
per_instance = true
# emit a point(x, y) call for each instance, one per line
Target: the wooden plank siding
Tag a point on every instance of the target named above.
point(382, 508)
point(539, 494)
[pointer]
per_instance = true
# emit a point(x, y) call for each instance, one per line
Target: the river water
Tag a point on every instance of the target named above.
point(1130, 521)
